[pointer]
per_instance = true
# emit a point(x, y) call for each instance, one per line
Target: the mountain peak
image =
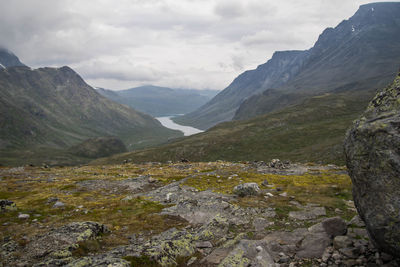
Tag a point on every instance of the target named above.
point(8, 59)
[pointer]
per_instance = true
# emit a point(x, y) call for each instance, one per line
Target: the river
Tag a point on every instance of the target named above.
point(187, 130)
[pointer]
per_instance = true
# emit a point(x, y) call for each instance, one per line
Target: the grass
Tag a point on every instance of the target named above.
point(312, 131)
point(30, 189)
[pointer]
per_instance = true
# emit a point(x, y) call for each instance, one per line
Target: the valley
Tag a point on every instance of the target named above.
point(294, 164)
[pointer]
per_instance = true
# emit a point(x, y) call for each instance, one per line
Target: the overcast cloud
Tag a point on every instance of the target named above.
point(175, 43)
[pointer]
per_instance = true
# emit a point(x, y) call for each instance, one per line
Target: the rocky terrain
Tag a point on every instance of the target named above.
point(182, 214)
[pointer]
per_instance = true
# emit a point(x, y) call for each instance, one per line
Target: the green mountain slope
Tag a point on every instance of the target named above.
point(53, 109)
point(364, 47)
point(311, 131)
point(160, 101)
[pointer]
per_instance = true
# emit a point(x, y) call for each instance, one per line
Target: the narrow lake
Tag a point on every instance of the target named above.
point(187, 130)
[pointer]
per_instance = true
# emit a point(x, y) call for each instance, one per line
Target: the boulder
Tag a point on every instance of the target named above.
point(334, 226)
point(247, 189)
point(373, 161)
point(63, 239)
point(342, 241)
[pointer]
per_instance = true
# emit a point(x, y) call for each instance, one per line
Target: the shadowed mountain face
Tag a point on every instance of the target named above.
point(55, 108)
point(8, 59)
point(364, 47)
point(160, 101)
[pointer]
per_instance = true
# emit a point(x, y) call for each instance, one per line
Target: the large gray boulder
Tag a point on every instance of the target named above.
point(247, 189)
point(372, 149)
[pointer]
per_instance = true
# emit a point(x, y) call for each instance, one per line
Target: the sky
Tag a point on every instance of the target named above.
point(199, 44)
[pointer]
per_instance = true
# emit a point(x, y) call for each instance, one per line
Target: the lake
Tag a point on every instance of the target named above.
point(187, 130)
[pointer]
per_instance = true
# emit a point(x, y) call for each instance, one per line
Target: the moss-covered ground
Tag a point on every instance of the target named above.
point(105, 199)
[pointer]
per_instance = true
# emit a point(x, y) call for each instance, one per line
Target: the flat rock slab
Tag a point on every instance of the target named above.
point(216, 256)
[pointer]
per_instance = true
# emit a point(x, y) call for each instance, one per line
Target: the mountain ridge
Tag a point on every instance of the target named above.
point(160, 101)
point(54, 108)
point(359, 48)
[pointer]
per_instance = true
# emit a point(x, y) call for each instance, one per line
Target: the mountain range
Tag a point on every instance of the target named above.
point(362, 48)
point(51, 109)
point(160, 101)
point(299, 104)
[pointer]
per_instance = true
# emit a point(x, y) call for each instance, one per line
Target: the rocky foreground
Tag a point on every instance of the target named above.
point(182, 214)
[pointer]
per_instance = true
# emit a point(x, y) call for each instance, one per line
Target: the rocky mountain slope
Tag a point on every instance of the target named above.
point(365, 47)
point(182, 214)
point(53, 108)
point(160, 101)
point(282, 66)
point(8, 59)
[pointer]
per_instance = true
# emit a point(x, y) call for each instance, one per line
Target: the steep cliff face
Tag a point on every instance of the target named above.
point(277, 71)
point(373, 159)
point(54, 107)
point(360, 49)
point(365, 47)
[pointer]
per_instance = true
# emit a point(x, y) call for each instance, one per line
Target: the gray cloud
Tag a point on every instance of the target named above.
point(176, 43)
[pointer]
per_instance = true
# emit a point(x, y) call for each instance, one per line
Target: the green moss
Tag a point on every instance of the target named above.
point(232, 242)
point(61, 254)
point(235, 259)
point(142, 261)
point(82, 262)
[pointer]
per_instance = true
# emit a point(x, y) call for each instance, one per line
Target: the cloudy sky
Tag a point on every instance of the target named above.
point(176, 43)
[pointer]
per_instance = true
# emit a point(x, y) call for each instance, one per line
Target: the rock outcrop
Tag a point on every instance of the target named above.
point(373, 159)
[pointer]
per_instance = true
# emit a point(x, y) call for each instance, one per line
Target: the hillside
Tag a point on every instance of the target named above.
point(364, 47)
point(50, 109)
point(160, 101)
point(311, 131)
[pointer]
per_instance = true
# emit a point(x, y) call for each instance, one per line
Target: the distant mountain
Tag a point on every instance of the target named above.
point(160, 101)
point(311, 131)
point(8, 59)
point(365, 47)
point(53, 108)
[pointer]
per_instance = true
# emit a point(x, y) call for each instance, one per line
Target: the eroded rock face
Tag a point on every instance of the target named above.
point(372, 149)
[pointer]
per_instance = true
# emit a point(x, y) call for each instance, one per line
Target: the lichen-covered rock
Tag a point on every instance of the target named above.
point(64, 238)
point(372, 149)
point(247, 189)
point(99, 261)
